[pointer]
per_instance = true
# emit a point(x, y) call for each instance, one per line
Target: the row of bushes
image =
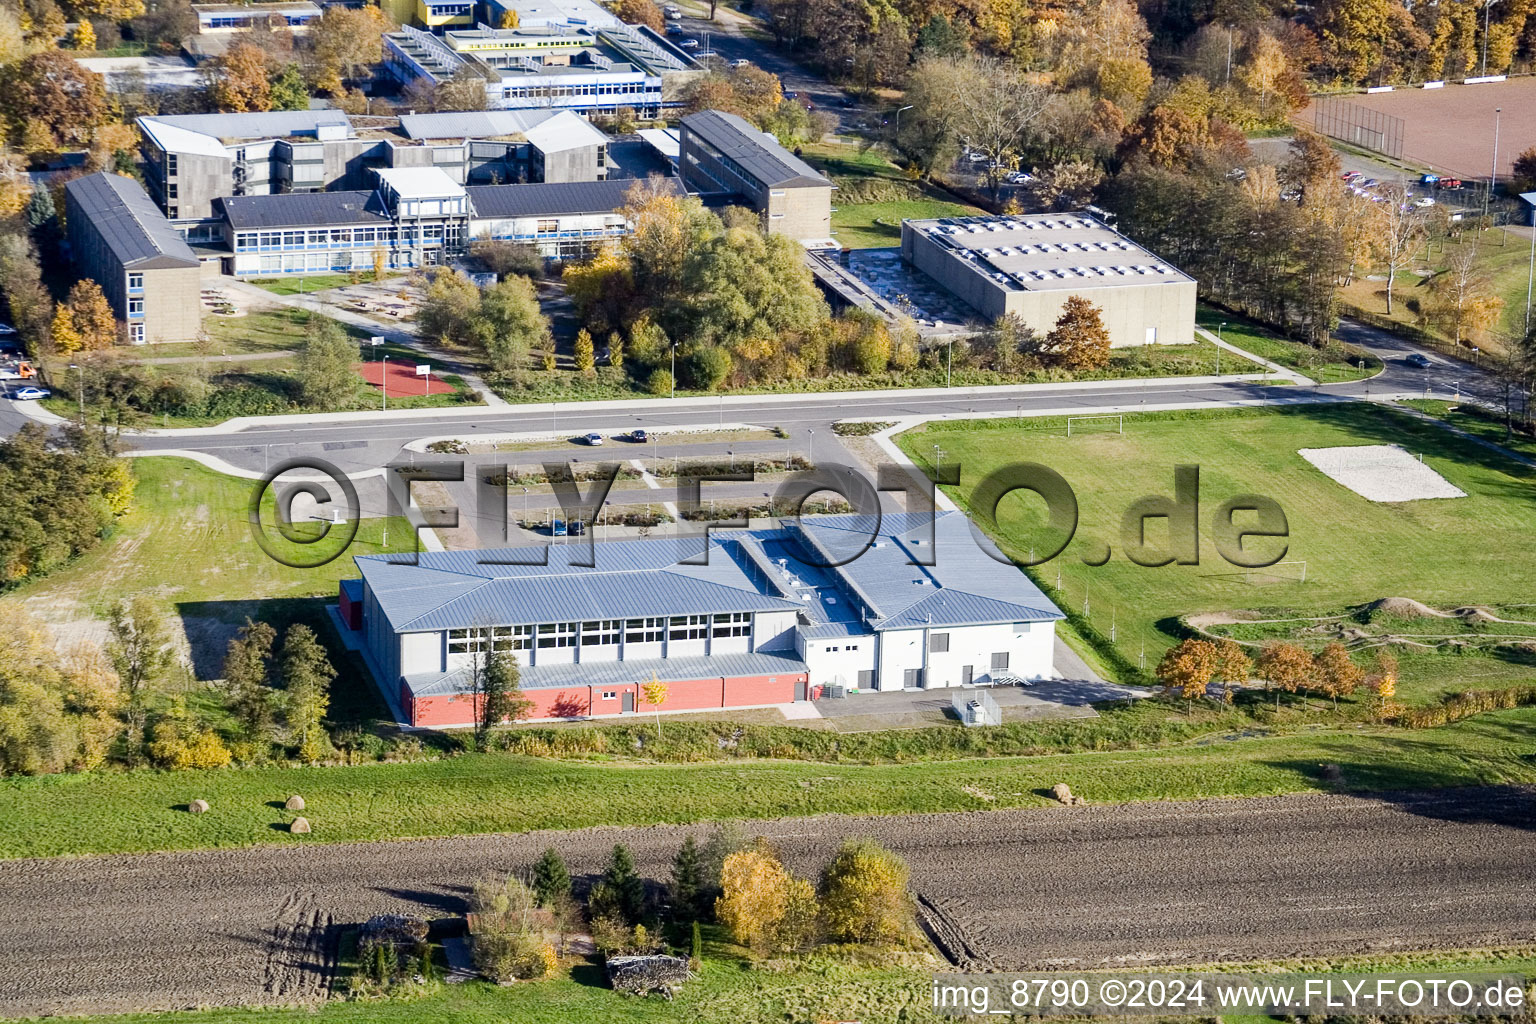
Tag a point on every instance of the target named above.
point(1457, 706)
point(685, 741)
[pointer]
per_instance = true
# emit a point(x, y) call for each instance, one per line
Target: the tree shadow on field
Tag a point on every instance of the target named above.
point(451, 899)
point(1424, 792)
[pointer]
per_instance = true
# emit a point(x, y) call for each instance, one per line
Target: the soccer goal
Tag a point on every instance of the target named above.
point(1115, 424)
point(1280, 572)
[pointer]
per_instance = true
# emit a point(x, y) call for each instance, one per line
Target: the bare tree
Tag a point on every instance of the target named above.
point(988, 105)
point(1401, 233)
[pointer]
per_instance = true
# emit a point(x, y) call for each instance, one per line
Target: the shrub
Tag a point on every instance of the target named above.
point(864, 895)
point(762, 905)
point(659, 382)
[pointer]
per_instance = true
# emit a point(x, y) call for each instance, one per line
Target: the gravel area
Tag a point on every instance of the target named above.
point(1056, 887)
point(1381, 472)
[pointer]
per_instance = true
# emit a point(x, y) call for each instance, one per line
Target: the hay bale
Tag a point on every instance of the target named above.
point(300, 826)
point(295, 803)
point(1061, 791)
point(198, 807)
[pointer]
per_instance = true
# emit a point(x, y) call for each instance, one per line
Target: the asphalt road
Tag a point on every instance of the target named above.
point(1057, 887)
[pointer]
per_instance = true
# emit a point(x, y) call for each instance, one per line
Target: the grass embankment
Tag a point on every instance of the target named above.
point(1141, 361)
point(262, 387)
point(305, 285)
point(479, 793)
point(1334, 365)
point(1502, 257)
point(1485, 424)
point(868, 225)
point(1446, 553)
point(187, 541)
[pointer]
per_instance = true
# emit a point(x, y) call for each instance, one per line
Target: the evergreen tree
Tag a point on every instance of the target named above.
point(247, 670)
point(40, 209)
point(625, 883)
point(687, 880)
point(551, 879)
point(307, 675)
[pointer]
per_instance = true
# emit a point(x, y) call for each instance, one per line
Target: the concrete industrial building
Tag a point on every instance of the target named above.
point(763, 622)
point(1030, 265)
point(558, 67)
point(193, 159)
point(720, 152)
point(120, 240)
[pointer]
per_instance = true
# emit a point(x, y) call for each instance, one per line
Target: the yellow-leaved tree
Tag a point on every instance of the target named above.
point(864, 895)
point(761, 904)
point(1188, 668)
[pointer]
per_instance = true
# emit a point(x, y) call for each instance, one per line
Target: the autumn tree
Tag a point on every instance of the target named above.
point(584, 352)
point(1188, 668)
point(1337, 674)
point(239, 79)
point(1463, 299)
point(987, 105)
point(26, 298)
point(641, 12)
point(56, 712)
point(51, 101)
point(1400, 233)
point(1524, 177)
point(864, 894)
point(344, 43)
point(1286, 667)
point(1079, 340)
point(83, 37)
point(761, 904)
point(91, 316)
point(307, 677)
point(1383, 679)
point(654, 693)
point(1233, 666)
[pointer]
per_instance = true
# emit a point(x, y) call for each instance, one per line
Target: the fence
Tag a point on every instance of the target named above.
point(976, 707)
point(1337, 118)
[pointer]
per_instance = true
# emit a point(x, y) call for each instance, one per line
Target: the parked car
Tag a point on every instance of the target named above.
point(638, 436)
point(592, 440)
point(1019, 178)
point(1449, 183)
point(674, 30)
point(577, 528)
point(1429, 179)
point(30, 394)
point(741, 62)
point(1351, 175)
point(1423, 201)
point(673, 14)
point(706, 55)
point(557, 528)
point(1418, 360)
point(689, 44)
point(1369, 183)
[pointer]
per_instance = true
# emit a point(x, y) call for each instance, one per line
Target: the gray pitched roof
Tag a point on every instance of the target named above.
point(129, 222)
point(304, 209)
point(759, 154)
point(965, 585)
point(632, 579)
point(552, 199)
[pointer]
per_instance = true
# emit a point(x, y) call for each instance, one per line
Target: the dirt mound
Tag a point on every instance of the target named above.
point(1403, 608)
point(1475, 613)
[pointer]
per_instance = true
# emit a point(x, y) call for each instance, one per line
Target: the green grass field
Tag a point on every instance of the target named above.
point(1343, 363)
point(1473, 550)
point(306, 285)
point(1479, 422)
point(115, 812)
point(876, 224)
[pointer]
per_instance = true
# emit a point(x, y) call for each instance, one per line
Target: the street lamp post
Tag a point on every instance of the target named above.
point(1493, 170)
point(80, 388)
point(384, 382)
point(949, 361)
point(674, 371)
point(1530, 274)
point(898, 117)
